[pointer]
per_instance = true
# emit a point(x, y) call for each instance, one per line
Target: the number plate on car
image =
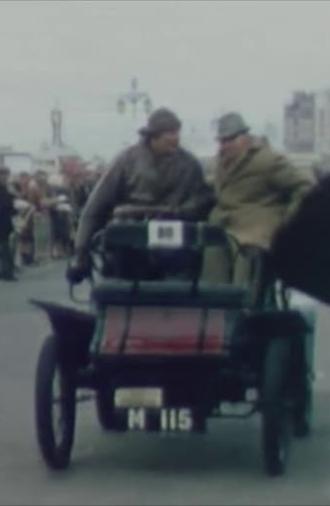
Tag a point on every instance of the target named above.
point(164, 419)
point(165, 234)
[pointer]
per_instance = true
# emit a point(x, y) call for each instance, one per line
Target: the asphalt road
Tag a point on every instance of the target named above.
point(222, 467)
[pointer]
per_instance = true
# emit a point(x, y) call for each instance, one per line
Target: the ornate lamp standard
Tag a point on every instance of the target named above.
point(133, 98)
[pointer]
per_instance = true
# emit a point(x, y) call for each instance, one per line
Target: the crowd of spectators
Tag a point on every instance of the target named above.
point(44, 213)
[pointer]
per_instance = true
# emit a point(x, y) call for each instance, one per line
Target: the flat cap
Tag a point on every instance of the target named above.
point(231, 125)
point(161, 120)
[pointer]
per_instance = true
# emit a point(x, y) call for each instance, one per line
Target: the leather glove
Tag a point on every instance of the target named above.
point(79, 269)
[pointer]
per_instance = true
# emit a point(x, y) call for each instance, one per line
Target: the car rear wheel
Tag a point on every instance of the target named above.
point(303, 389)
point(276, 413)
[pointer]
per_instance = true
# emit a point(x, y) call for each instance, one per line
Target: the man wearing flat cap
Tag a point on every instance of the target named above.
point(257, 190)
point(154, 172)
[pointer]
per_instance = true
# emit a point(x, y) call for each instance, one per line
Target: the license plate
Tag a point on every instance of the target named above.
point(141, 397)
point(167, 419)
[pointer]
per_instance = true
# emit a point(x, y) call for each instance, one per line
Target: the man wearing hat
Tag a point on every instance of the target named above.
point(155, 172)
point(7, 212)
point(257, 190)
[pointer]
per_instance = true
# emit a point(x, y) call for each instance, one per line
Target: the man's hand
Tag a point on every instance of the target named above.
point(79, 269)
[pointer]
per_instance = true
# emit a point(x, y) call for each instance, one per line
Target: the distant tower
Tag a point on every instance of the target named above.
point(56, 122)
point(299, 123)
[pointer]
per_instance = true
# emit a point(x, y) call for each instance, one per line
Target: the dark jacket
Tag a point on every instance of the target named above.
point(138, 177)
point(301, 247)
point(7, 212)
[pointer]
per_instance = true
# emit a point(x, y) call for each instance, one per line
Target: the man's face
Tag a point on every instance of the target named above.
point(166, 143)
point(232, 148)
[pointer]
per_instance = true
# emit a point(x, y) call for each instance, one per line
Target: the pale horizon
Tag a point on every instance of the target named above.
point(200, 58)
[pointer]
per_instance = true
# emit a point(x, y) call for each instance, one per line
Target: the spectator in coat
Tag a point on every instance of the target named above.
point(7, 212)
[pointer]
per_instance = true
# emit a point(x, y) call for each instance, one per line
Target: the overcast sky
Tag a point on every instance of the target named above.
point(200, 58)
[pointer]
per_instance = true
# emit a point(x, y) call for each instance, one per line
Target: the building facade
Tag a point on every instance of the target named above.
point(16, 161)
point(299, 123)
point(322, 123)
point(307, 123)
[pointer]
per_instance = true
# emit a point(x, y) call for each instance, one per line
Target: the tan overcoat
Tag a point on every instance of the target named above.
point(256, 194)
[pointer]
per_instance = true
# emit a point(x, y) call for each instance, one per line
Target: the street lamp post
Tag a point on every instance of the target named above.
point(133, 98)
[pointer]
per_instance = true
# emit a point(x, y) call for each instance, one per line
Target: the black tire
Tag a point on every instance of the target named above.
point(303, 391)
point(276, 414)
point(55, 441)
point(303, 415)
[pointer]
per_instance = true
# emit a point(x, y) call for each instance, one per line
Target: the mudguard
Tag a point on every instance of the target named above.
point(73, 329)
